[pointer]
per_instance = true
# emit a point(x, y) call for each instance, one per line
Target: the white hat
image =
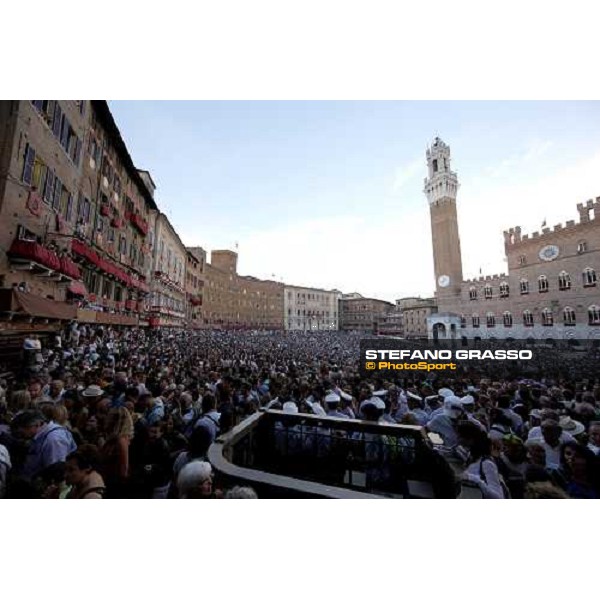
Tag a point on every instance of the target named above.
point(468, 399)
point(375, 402)
point(536, 413)
point(445, 392)
point(290, 408)
point(379, 403)
point(452, 404)
point(92, 391)
point(471, 388)
point(571, 426)
point(332, 398)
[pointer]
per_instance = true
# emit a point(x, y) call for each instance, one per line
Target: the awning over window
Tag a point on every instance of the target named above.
point(34, 306)
point(77, 288)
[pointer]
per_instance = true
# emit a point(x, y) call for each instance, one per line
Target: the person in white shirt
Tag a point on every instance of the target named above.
point(481, 468)
point(553, 437)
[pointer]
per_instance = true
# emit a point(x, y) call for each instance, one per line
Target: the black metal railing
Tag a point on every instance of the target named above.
point(299, 455)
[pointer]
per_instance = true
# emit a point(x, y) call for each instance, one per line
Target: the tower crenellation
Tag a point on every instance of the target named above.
point(588, 211)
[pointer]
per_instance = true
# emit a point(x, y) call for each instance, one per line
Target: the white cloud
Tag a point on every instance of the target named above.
point(391, 256)
point(375, 259)
point(534, 150)
point(406, 174)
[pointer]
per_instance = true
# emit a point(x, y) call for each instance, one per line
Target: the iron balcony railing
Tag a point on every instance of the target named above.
point(305, 456)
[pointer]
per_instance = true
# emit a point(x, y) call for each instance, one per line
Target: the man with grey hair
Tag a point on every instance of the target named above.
point(50, 443)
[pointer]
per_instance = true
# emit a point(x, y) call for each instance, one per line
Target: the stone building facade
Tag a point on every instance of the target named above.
point(234, 301)
point(310, 309)
point(74, 210)
point(362, 314)
point(168, 302)
point(194, 286)
point(550, 290)
point(415, 312)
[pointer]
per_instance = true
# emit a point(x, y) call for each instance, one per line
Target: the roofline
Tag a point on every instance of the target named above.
point(149, 176)
point(166, 219)
point(107, 120)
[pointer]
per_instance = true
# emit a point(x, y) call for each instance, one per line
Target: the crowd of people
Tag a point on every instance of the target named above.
point(97, 412)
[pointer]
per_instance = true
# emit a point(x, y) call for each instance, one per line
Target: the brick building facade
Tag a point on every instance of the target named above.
point(74, 211)
point(550, 290)
point(362, 314)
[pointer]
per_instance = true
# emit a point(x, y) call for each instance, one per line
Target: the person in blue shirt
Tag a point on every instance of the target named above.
point(49, 442)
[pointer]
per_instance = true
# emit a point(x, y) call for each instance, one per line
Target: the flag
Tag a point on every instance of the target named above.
point(544, 223)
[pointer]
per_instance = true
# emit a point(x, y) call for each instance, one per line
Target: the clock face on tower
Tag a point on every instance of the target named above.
point(443, 281)
point(549, 252)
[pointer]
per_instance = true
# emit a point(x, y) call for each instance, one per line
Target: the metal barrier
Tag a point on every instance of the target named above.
point(301, 455)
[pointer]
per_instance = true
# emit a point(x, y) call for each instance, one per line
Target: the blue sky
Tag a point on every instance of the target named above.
point(330, 193)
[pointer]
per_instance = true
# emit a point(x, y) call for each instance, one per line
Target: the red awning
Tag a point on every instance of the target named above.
point(77, 288)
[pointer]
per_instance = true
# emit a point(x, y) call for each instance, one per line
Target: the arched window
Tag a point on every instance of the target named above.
point(581, 247)
point(463, 321)
point(522, 260)
point(542, 284)
point(547, 317)
point(524, 286)
point(490, 319)
point(589, 277)
point(527, 318)
point(569, 316)
point(472, 293)
point(504, 290)
point(564, 281)
point(507, 318)
point(487, 292)
point(475, 320)
point(594, 315)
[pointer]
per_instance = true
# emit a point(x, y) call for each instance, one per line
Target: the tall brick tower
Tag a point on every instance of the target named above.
point(441, 187)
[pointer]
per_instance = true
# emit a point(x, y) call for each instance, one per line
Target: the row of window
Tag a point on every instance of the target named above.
point(158, 299)
point(318, 313)
point(308, 296)
point(581, 248)
point(52, 113)
point(95, 285)
point(588, 275)
point(53, 192)
point(547, 318)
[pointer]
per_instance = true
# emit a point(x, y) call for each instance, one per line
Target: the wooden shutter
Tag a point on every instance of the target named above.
point(28, 164)
point(57, 120)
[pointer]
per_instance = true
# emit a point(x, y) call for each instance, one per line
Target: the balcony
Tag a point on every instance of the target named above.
point(31, 256)
point(195, 300)
point(305, 456)
point(139, 223)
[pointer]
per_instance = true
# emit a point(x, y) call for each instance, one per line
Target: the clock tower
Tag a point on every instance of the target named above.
point(441, 187)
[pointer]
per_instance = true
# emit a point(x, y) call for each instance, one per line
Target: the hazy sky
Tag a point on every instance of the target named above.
point(329, 194)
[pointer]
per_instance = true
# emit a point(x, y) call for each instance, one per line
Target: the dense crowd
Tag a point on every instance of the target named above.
point(97, 412)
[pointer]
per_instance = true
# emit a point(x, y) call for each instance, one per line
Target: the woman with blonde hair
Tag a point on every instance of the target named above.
point(114, 456)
